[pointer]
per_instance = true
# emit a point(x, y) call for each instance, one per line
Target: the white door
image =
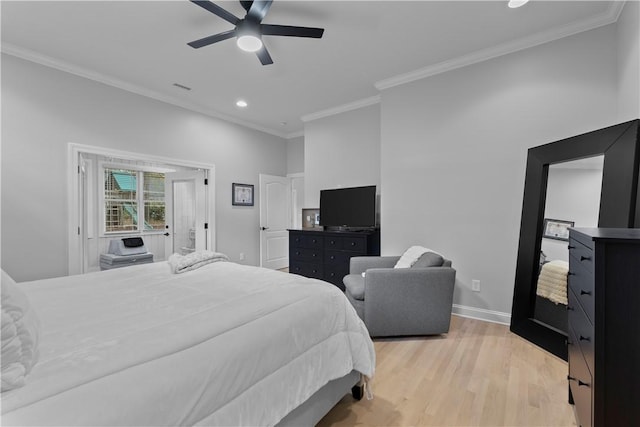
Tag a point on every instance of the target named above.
point(185, 212)
point(275, 201)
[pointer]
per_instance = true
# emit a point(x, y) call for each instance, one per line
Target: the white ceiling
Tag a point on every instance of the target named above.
point(367, 46)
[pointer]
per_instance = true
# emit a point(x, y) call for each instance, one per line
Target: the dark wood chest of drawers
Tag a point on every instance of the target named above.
point(325, 255)
point(604, 326)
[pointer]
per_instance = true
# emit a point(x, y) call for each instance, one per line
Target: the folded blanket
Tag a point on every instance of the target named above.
point(181, 263)
point(552, 281)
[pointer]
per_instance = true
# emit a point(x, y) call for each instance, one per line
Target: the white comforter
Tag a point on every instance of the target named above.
point(221, 345)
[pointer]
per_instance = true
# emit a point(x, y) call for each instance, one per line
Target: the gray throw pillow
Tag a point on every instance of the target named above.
point(428, 259)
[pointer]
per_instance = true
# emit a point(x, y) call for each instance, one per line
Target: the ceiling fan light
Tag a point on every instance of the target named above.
point(517, 3)
point(249, 43)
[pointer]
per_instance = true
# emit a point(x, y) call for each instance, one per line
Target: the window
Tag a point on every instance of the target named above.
point(133, 200)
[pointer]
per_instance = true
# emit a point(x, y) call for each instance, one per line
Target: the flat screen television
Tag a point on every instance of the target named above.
point(348, 208)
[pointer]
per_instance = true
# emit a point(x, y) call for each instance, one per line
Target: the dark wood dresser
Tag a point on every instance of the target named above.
point(325, 255)
point(604, 326)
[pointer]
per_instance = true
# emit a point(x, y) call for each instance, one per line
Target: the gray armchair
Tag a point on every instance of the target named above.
point(400, 301)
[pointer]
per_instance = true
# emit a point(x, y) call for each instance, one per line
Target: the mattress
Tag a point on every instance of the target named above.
point(225, 344)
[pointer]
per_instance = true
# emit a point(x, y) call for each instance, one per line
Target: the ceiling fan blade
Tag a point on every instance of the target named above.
point(263, 56)
point(212, 39)
point(259, 9)
point(217, 10)
point(292, 31)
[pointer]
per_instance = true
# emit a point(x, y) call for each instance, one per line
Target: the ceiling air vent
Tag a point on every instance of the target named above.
point(182, 86)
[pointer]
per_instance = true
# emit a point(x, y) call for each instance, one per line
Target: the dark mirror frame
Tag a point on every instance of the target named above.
point(619, 207)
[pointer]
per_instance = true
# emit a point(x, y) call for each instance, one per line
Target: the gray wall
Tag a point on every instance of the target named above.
point(628, 36)
point(460, 139)
point(295, 155)
point(341, 151)
point(44, 109)
point(453, 148)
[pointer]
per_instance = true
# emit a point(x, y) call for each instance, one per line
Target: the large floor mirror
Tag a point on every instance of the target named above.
point(589, 180)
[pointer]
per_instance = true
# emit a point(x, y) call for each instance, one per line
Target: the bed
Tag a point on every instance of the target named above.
point(223, 344)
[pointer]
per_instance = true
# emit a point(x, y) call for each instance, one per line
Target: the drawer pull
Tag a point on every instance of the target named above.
point(585, 338)
point(332, 274)
point(314, 271)
point(314, 240)
point(569, 308)
point(567, 342)
point(585, 292)
point(297, 252)
point(571, 273)
point(580, 383)
point(571, 247)
point(585, 258)
point(332, 257)
point(570, 378)
point(353, 243)
point(314, 255)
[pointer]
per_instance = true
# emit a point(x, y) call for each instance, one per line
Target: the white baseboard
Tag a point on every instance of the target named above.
point(482, 314)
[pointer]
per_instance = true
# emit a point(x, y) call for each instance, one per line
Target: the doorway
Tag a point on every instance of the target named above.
point(114, 194)
point(185, 222)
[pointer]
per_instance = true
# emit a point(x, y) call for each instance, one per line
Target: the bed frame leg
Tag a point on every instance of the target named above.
point(357, 391)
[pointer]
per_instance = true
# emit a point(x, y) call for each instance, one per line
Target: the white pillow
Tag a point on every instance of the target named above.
point(20, 329)
point(411, 255)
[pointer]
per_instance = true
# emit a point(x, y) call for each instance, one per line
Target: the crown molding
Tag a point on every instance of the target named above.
point(295, 134)
point(609, 17)
point(342, 108)
point(47, 61)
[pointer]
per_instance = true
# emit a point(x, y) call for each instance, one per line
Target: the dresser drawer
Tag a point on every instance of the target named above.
point(334, 273)
point(583, 330)
point(580, 383)
point(582, 254)
point(355, 244)
point(307, 269)
point(300, 240)
point(581, 282)
point(337, 257)
point(303, 254)
point(333, 243)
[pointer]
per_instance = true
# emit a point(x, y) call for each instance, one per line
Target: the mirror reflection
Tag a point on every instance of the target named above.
point(572, 200)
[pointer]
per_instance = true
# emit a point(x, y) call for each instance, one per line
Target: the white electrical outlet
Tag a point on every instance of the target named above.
point(475, 285)
point(241, 256)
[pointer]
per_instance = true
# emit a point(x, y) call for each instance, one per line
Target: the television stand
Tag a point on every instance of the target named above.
point(326, 254)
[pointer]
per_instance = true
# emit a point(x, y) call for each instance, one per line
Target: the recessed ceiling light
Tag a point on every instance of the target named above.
point(241, 103)
point(517, 3)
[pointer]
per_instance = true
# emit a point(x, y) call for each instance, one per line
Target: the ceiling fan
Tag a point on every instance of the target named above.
point(250, 29)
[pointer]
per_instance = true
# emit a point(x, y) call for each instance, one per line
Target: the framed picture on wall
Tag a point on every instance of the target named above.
point(241, 194)
point(556, 229)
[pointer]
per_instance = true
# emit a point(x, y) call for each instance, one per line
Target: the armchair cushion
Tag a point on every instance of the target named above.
point(429, 259)
point(412, 255)
point(354, 284)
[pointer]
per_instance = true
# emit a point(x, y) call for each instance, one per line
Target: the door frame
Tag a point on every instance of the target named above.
point(75, 226)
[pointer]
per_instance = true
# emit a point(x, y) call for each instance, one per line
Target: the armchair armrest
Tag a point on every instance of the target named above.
point(360, 264)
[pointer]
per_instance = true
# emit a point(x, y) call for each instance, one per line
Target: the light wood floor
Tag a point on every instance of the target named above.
point(480, 374)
